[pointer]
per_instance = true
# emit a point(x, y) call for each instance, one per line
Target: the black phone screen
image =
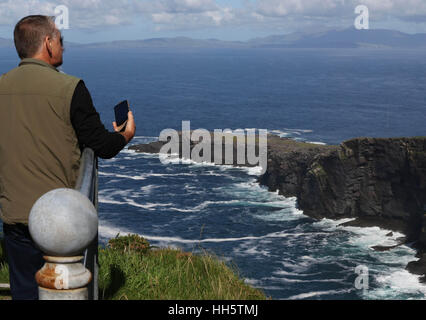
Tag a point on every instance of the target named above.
point(121, 111)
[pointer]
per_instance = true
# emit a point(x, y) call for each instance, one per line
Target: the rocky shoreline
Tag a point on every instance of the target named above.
point(377, 181)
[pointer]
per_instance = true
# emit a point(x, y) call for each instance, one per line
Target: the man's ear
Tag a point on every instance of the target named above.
point(48, 45)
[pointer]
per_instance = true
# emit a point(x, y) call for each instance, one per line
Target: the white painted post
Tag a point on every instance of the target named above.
point(62, 223)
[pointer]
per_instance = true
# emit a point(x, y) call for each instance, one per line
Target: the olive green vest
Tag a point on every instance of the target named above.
point(38, 146)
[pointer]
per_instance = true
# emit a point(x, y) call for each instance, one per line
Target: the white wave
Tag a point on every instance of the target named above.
point(132, 154)
point(204, 205)
point(285, 204)
point(174, 159)
point(317, 294)
point(332, 224)
point(290, 280)
point(368, 237)
point(251, 248)
point(218, 240)
point(149, 188)
point(107, 231)
point(129, 151)
point(102, 165)
point(280, 133)
point(254, 171)
point(394, 281)
point(147, 206)
point(256, 252)
point(182, 210)
point(117, 175)
point(254, 282)
point(136, 155)
point(303, 264)
point(103, 198)
point(144, 176)
point(317, 142)
point(259, 284)
point(397, 283)
point(365, 237)
point(108, 161)
point(109, 201)
point(286, 132)
point(287, 214)
point(113, 192)
point(212, 173)
point(297, 274)
point(253, 190)
point(112, 181)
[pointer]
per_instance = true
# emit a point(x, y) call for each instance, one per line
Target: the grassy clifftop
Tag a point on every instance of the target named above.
point(130, 269)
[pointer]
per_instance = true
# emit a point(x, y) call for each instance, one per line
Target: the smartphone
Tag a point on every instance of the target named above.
point(121, 110)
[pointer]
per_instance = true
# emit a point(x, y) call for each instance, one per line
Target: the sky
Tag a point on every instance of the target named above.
point(107, 20)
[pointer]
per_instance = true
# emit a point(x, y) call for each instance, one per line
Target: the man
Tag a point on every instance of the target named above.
point(47, 118)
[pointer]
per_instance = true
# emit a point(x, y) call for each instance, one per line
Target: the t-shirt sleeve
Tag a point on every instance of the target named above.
point(90, 131)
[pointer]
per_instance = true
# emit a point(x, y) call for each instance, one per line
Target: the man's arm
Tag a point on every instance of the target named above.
point(89, 129)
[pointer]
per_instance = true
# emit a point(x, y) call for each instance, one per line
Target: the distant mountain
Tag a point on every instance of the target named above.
point(347, 38)
point(178, 42)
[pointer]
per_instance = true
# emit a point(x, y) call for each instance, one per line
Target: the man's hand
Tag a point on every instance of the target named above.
point(130, 130)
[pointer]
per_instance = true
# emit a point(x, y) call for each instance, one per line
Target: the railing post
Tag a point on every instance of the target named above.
point(64, 225)
point(63, 222)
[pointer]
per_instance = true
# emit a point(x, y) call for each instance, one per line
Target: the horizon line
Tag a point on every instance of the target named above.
point(239, 41)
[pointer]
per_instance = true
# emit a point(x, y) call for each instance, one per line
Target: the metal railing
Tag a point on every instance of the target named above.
point(87, 184)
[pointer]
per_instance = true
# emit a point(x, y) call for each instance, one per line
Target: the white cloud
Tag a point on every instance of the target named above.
point(185, 14)
point(92, 14)
point(402, 9)
point(12, 10)
point(281, 8)
point(193, 14)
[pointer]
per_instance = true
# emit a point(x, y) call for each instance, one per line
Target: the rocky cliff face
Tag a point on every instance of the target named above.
point(378, 181)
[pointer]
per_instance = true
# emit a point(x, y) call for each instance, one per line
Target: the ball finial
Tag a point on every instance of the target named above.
point(63, 222)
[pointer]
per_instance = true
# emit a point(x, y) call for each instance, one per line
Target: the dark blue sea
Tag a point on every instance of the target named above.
point(323, 96)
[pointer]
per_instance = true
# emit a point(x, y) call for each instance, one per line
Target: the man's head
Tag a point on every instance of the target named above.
point(37, 37)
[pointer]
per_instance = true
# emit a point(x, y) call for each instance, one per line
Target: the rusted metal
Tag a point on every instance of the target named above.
point(46, 276)
point(63, 273)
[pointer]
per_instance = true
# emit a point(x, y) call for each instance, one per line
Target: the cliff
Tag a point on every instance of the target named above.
point(378, 181)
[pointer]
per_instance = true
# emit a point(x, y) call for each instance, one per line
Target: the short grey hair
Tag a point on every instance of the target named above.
point(29, 34)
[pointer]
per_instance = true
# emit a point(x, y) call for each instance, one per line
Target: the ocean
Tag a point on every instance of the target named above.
point(322, 95)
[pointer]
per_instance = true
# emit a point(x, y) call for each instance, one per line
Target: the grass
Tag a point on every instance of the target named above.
point(130, 269)
point(4, 273)
point(146, 273)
